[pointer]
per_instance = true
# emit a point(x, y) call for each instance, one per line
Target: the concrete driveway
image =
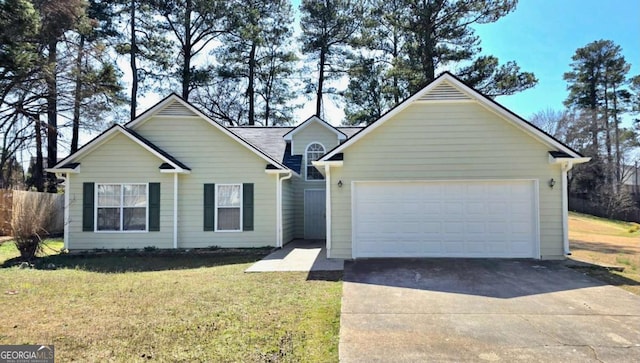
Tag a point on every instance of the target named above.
point(453, 310)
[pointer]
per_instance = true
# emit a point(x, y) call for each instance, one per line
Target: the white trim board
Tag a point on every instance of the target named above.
point(144, 117)
point(476, 96)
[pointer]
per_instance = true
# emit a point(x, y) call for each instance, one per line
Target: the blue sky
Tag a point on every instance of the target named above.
point(542, 35)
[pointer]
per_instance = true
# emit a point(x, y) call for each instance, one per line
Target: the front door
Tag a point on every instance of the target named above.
point(314, 214)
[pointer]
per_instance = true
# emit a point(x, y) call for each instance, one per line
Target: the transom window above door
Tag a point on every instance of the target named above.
point(314, 152)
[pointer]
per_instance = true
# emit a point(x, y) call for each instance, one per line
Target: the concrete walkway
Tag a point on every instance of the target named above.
point(299, 255)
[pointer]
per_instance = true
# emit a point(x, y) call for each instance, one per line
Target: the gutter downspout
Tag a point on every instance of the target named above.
point(66, 177)
point(565, 207)
point(327, 176)
point(279, 222)
point(175, 210)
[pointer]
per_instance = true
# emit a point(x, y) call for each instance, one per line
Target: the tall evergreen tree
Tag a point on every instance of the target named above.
point(328, 28)
point(412, 39)
point(146, 46)
point(194, 24)
point(94, 81)
point(598, 73)
point(57, 17)
point(599, 95)
point(253, 56)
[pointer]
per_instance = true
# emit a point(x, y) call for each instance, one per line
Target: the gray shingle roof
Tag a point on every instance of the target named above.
point(271, 141)
point(267, 139)
point(158, 150)
point(350, 130)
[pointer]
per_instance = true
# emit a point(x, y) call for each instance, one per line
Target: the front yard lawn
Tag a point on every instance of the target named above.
point(179, 308)
point(607, 242)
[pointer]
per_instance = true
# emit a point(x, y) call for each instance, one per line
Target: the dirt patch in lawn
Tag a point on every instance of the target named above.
point(607, 243)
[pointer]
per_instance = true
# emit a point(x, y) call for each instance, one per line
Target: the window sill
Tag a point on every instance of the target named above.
point(121, 232)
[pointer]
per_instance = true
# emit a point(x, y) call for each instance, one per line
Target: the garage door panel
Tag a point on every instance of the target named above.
point(445, 219)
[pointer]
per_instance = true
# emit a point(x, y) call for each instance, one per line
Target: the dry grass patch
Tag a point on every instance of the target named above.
point(610, 243)
point(180, 308)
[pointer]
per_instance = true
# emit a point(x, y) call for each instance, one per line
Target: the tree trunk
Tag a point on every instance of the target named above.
point(38, 180)
point(75, 131)
point(428, 51)
point(323, 56)
point(132, 61)
point(607, 139)
point(250, 86)
point(52, 114)
point(396, 54)
point(186, 50)
point(616, 123)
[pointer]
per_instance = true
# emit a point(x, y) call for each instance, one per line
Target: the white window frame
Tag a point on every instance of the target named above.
point(216, 206)
point(96, 207)
point(306, 160)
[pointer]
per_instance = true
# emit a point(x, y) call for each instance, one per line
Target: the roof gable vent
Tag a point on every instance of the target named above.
point(445, 92)
point(176, 109)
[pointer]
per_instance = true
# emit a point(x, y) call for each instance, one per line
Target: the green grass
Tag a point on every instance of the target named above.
point(139, 306)
point(610, 226)
point(607, 242)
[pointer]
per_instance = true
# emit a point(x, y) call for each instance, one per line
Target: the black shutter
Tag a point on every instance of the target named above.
point(247, 207)
point(88, 190)
point(209, 206)
point(154, 207)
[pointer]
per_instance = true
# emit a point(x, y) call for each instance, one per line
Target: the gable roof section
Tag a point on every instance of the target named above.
point(448, 88)
point(267, 139)
point(174, 105)
point(169, 162)
point(289, 135)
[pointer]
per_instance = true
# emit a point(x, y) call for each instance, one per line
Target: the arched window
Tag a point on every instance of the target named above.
point(314, 152)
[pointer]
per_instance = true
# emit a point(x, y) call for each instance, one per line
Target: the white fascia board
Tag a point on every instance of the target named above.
point(173, 97)
point(93, 144)
point(175, 171)
point(340, 134)
point(151, 150)
point(87, 148)
point(582, 160)
point(322, 163)
point(510, 116)
point(281, 171)
point(63, 170)
point(479, 98)
point(399, 108)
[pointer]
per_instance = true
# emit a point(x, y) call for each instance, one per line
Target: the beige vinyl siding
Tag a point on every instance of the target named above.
point(214, 158)
point(288, 211)
point(120, 160)
point(448, 141)
point(314, 132)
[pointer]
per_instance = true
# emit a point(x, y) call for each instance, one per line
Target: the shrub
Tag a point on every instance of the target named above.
point(32, 216)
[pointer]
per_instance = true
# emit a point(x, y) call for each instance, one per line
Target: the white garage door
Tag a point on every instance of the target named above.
point(445, 219)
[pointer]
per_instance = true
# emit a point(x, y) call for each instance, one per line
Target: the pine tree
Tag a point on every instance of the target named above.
point(94, 81)
point(599, 94)
point(328, 28)
point(412, 39)
point(255, 63)
point(193, 24)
